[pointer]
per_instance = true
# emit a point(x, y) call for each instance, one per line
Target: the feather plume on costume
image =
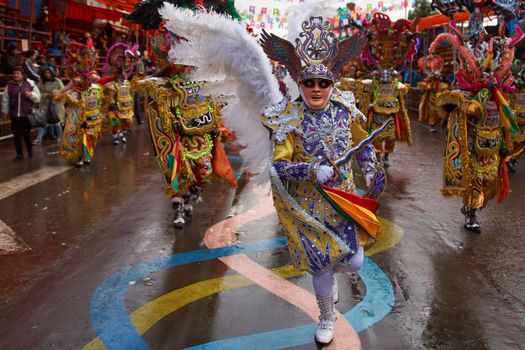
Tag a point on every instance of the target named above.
point(293, 88)
point(299, 13)
point(222, 48)
point(467, 60)
point(146, 13)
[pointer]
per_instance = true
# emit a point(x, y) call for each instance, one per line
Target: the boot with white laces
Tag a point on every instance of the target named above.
point(335, 290)
point(325, 330)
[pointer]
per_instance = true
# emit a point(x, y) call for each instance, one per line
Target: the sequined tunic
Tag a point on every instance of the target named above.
point(428, 110)
point(183, 135)
point(303, 139)
point(474, 139)
point(120, 94)
point(82, 106)
point(387, 100)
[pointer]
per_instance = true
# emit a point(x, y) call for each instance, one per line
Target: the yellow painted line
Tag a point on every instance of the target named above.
point(392, 235)
point(22, 182)
point(146, 316)
point(222, 234)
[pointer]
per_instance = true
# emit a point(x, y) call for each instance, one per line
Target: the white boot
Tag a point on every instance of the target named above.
point(179, 222)
point(122, 136)
point(335, 289)
point(178, 204)
point(116, 139)
point(325, 330)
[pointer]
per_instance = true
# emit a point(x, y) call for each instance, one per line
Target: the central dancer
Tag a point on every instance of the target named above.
point(312, 138)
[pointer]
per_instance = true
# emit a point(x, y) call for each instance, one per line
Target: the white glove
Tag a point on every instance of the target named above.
point(324, 173)
point(368, 179)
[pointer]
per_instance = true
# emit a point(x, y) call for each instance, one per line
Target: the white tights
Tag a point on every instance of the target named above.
point(323, 281)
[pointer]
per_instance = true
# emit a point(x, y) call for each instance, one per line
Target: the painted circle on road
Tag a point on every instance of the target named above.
point(117, 331)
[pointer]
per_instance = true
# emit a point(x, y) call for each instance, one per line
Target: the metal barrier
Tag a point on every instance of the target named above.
point(5, 129)
point(5, 124)
point(413, 98)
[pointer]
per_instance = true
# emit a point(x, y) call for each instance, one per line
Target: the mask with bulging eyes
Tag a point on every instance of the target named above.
point(316, 92)
point(386, 76)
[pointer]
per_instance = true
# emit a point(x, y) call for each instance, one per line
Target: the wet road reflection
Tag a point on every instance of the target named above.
point(453, 289)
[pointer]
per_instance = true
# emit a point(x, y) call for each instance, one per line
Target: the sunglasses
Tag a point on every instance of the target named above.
point(322, 83)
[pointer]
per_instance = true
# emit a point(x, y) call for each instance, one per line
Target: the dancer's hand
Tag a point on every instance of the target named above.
point(324, 173)
point(369, 178)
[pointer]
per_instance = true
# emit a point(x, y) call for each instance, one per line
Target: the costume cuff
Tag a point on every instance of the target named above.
point(291, 171)
point(367, 159)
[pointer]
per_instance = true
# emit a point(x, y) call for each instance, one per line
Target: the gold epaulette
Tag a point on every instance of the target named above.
point(450, 98)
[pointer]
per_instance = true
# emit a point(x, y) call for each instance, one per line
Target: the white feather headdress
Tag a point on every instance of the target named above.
point(301, 12)
point(222, 49)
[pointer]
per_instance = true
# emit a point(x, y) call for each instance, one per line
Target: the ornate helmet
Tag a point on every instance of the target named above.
point(121, 58)
point(81, 60)
point(317, 52)
point(391, 45)
point(431, 65)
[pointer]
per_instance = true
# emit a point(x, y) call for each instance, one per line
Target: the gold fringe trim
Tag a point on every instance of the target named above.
point(194, 111)
point(450, 98)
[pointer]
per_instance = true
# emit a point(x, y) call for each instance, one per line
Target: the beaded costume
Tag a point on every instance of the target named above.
point(185, 126)
point(83, 100)
point(481, 123)
point(391, 46)
point(185, 129)
point(317, 235)
point(119, 95)
point(303, 140)
point(308, 142)
point(307, 157)
point(517, 102)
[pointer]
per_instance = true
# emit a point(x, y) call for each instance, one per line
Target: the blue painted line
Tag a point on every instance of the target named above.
point(376, 304)
point(108, 312)
point(113, 326)
point(378, 301)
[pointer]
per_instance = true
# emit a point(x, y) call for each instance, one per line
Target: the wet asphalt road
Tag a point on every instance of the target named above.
point(452, 289)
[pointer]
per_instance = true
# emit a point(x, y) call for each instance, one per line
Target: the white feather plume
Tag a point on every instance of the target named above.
point(222, 49)
point(293, 88)
point(301, 12)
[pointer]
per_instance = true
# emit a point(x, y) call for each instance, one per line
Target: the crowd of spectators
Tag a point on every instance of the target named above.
point(35, 76)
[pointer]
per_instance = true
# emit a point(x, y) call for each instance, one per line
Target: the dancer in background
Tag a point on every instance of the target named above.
point(517, 102)
point(432, 67)
point(391, 45)
point(481, 124)
point(83, 100)
point(185, 125)
point(120, 61)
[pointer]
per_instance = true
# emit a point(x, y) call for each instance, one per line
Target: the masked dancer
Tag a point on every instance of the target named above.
point(308, 158)
point(83, 100)
point(481, 123)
